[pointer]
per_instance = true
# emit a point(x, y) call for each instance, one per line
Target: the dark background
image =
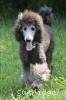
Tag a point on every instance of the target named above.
point(14, 6)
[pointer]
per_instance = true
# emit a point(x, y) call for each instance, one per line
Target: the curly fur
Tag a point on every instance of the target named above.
point(43, 40)
point(47, 15)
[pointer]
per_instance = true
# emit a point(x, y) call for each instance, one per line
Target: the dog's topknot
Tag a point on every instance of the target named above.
point(47, 15)
point(30, 16)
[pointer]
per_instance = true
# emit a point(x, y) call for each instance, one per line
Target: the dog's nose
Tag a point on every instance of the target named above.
point(28, 40)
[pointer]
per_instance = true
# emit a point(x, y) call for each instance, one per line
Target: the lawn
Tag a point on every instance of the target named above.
point(10, 70)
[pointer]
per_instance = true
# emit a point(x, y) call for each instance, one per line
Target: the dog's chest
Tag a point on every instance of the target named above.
point(34, 56)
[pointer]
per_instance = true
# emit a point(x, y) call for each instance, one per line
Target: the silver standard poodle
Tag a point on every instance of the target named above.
point(34, 33)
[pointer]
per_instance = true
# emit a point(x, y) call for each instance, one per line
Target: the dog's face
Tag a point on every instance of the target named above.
point(28, 32)
point(29, 29)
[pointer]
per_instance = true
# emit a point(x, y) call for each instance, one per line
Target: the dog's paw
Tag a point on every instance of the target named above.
point(36, 86)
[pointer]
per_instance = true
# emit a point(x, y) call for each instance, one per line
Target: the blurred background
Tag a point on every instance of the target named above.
point(12, 7)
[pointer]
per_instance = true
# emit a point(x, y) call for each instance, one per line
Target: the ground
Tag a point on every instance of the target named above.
point(10, 70)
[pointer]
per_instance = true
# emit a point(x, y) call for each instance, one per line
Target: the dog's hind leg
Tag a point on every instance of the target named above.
point(49, 56)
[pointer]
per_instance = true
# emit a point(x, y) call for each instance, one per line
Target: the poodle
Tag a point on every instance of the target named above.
point(34, 33)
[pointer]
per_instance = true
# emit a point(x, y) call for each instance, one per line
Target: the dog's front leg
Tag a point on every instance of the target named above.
point(41, 71)
point(24, 78)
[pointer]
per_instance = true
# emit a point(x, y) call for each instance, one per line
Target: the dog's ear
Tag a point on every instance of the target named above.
point(17, 28)
point(38, 37)
point(18, 33)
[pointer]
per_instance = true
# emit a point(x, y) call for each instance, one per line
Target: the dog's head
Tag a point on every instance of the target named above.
point(29, 28)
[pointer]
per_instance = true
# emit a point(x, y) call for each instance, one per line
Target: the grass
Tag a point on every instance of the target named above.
point(10, 88)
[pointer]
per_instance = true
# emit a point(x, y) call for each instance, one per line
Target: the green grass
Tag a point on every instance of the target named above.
point(10, 88)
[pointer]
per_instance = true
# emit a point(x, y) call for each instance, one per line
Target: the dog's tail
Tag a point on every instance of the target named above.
point(47, 15)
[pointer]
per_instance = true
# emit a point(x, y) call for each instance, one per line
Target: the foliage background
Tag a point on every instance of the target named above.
point(20, 5)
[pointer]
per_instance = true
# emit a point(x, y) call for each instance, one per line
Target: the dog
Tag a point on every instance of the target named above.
point(34, 33)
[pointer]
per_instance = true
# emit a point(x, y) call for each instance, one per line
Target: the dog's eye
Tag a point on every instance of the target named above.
point(24, 28)
point(33, 28)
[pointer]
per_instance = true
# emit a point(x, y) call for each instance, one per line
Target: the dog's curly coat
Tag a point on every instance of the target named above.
point(41, 55)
